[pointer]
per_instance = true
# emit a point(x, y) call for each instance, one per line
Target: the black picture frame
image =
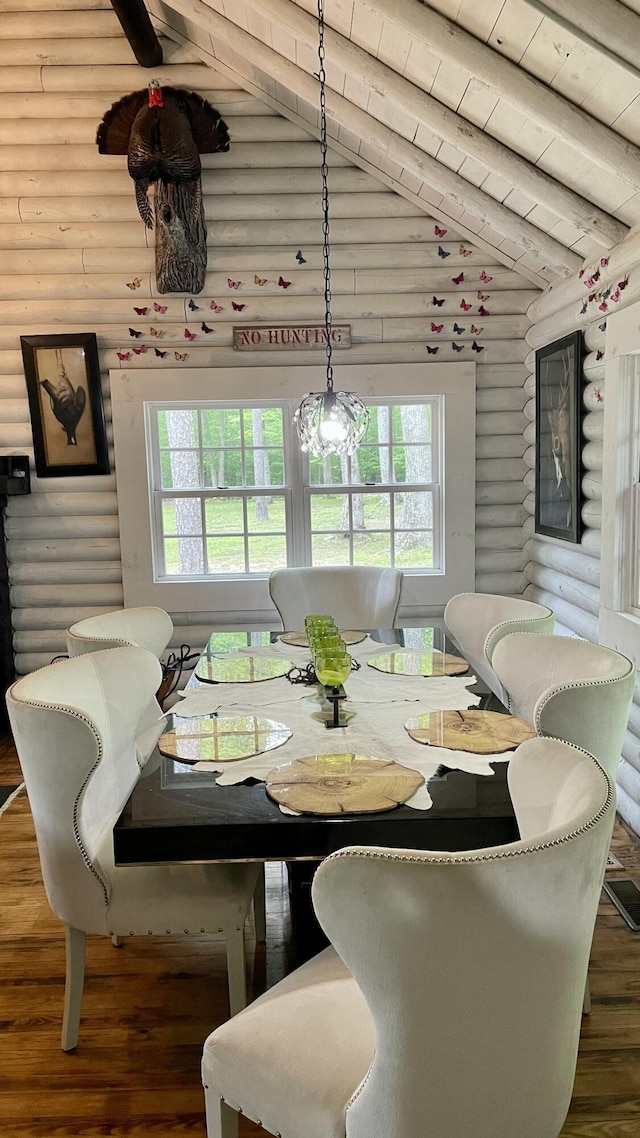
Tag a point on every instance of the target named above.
point(559, 414)
point(65, 403)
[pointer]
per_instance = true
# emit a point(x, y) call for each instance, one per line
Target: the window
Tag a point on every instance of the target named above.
point(227, 499)
point(214, 492)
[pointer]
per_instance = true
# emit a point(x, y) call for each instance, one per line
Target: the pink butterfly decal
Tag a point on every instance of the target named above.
point(589, 283)
point(623, 283)
point(477, 347)
point(439, 232)
point(596, 275)
point(597, 395)
point(133, 332)
point(181, 356)
point(159, 307)
point(237, 307)
point(205, 327)
point(141, 311)
point(604, 261)
point(124, 355)
point(432, 351)
point(283, 283)
point(438, 303)
point(615, 296)
point(216, 307)
point(483, 311)
point(456, 347)
point(233, 284)
point(465, 252)
point(485, 278)
point(580, 274)
point(141, 350)
point(160, 354)
point(459, 279)
point(464, 306)
point(604, 307)
point(189, 335)
point(476, 331)
point(443, 252)
point(599, 355)
point(157, 331)
point(482, 295)
point(436, 327)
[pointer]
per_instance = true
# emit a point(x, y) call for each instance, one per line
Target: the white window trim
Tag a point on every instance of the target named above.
point(247, 600)
point(619, 620)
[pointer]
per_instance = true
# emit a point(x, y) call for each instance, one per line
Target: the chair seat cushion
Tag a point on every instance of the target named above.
point(293, 1059)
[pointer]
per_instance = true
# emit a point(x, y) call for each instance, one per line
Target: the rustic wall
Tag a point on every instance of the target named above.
point(71, 239)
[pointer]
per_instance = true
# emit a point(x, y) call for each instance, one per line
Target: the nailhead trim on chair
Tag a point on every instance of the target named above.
point(506, 623)
point(570, 686)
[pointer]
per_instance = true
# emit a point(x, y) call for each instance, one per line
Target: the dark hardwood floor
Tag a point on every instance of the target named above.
point(149, 1006)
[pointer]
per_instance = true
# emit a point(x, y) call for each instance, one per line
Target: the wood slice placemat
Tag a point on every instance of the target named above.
point(480, 732)
point(342, 784)
point(240, 669)
point(299, 639)
point(411, 663)
point(221, 738)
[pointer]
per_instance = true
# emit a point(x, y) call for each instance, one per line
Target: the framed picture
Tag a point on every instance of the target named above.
point(558, 498)
point(65, 402)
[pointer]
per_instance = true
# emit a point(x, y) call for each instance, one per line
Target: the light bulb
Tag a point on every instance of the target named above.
point(332, 430)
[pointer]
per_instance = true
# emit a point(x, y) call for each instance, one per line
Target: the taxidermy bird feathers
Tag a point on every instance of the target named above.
point(163, 131)
point(67, 403)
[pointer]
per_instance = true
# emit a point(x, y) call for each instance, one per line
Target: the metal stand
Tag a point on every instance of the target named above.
point(333, 696)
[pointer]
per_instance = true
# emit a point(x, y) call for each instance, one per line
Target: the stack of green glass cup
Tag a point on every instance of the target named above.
point(331, 661)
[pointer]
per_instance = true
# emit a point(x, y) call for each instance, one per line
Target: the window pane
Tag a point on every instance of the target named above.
point(266, 553)
point(412, 423)
point(225, 554)
point(180, 469)
point(330, 549)
point(183, 556)
point(371, 549)
point(325, 471)
point(264, 467)
point(263, 426)
point(178, 428)
point(372, 466)
point(266, 514)
point(330, 512)
point(224, 515)
point(414, 510)
point(374, 513)
point(181, 516)
point(221, 427)
point(414, 550)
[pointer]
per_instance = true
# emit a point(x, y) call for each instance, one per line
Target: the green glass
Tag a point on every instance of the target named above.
point(329, 643)
point(332, 670)
point(319, 621)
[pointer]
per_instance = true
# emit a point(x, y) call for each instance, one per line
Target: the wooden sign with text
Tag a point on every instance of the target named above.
point(284, 337)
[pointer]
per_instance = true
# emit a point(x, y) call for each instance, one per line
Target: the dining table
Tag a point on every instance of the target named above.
point(197, 800)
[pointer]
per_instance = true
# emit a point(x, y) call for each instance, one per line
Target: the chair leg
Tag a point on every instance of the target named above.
point(586, 1000)
point(74, 983)
point(236, 970)
point(117, 941)
point(222, 1119)
point(260, 908)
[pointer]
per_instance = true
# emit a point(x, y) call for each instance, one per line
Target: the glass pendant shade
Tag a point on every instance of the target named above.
point(331, 422)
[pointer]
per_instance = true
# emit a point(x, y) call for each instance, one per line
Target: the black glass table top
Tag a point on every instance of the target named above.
point(177, 813)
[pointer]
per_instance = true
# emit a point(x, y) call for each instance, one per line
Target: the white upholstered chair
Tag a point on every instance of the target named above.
point(569, 689)
point(74, 725)
point(478, 621)
point(144, 627)
point(356, 596)
point(450, 1004)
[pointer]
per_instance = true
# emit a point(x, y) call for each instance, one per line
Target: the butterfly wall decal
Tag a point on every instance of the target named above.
point(482, 295)
point(456, 347)
point(603, 327)
point(216, 307)
point(477, 347)
point(604, 261)
point(432, 351)
point(606, 294)
point(189, 335)
point(135, 283)
point(599, 355)
point(485, 278)
point(193, 306)
point(604, 307)
point(580, 274)
point(124, 355)
point(237, 307)
point(159, 354)
point(464, 305)
point(141, 350)
point(465, 252)
point(443, 252)
point(161, 308)
point(623, 283)
point(233, 284)
point(596, 275)
point(206, 328)
point(615, 295)
point(436, 327)
point(260, 280)
point(476, 331)
point(438, 303)
point(157, 332)
point(458, 330)
point(459, 279)
point(583, 308)
point(439, 232)
point(141, 311)
point(483, 311)
point(299, 258)
point(283, 283)
point(181, 356)
point(134, 332)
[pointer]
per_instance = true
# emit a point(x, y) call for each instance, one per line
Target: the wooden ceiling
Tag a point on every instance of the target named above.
point(516, 121)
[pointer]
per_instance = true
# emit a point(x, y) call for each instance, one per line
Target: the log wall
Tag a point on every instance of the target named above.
point(71, 242)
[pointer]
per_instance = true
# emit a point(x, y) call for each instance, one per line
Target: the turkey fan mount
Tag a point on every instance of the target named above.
point(163, 131)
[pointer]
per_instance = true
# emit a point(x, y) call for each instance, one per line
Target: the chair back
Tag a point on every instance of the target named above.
point(146, 627)
point(74, 724)
point(474, 964)
point(356, 596)
point(478, 621)
point(569, 689)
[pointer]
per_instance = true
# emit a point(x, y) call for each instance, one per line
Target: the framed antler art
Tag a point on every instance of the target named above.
point(558, 497)
point(163, 131)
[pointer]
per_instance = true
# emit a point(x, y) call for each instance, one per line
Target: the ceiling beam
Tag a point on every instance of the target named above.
point(249, 53)
point(137, 27)
point(605, 25)
point(447, 124)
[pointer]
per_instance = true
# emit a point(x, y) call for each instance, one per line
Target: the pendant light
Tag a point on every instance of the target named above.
point(328, 422)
